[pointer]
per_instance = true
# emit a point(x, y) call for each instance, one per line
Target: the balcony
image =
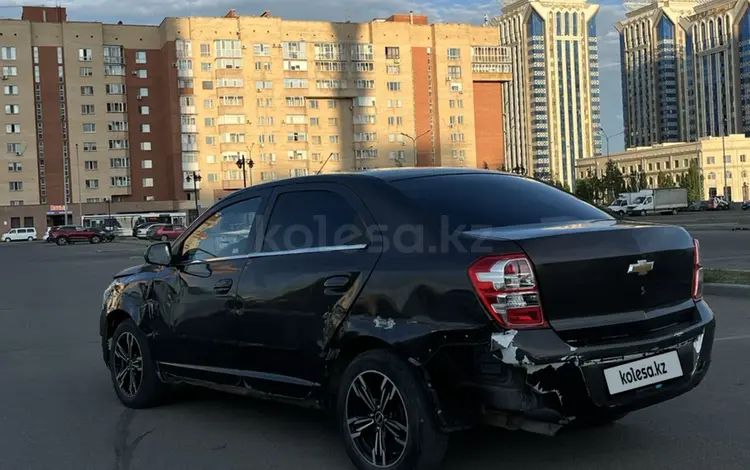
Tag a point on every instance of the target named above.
point(189, 147)
point(491, 63)
point(187, 110)
point(189, 129)
point(190, 166)
point(185, 73)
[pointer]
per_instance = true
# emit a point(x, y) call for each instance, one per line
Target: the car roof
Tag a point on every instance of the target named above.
point(372, 176)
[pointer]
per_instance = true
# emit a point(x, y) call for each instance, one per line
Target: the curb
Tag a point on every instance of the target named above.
point(731, 290)
point(740, 228)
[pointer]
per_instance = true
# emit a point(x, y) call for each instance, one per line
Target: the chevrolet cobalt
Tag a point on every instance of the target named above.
point(411, 303)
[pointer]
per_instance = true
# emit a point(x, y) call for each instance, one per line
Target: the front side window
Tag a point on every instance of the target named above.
point(312, 219)
point(225, 233)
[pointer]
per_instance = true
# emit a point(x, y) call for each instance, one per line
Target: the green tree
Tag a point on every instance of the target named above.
point(693, 182)
point(588, 188)
point(612, 182)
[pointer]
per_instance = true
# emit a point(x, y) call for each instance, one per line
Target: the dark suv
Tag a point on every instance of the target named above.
point(67, 234)
point(411, 303)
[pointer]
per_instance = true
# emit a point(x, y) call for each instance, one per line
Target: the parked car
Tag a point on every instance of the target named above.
point(395, 301)
point(108, 235)
point(142, 232)
point(73, 234)
point(718, 203)
point(19, 234)
point(698, 206)
point(165, 232)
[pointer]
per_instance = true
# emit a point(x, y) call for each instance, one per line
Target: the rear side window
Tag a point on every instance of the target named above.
point(312, 219)
point(495, 200)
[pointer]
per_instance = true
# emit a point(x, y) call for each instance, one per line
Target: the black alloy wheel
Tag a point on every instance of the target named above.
point(386, 416)
point(133, 372)
point(127, 364)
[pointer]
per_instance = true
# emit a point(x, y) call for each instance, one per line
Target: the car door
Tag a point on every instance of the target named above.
point(314, 260)
point(200, 316)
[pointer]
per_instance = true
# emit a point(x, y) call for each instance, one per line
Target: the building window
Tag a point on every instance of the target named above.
point(8, 53)
point(12, 109)
point(142, 73)
point(85, 55)
point(15, 185)
point(454, 72)
point(89, 146)
point(87, 109)
point(454, 53)
point(89, 128)
point(148, 182)
point(116, 107)
point(114, 88)
point(392, 53)
point(207, 85)
point(393, 69)
point(10, 90)
point(92, 184)
point(140, 57)
point(15, 167)
point(146, 128)
point(142, 92)
point(119, 181)
point(86, 72)
point(144, 110)
point(12, 128)
point(205, 50)
point(147, 164)
point(394, 86)
point(119, 162)
point(91, 165)
point(146, 146)
point(210, 140)
point(15, 149)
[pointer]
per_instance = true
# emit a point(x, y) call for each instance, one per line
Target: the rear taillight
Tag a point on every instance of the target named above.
point(697, 271)
point(508, 289)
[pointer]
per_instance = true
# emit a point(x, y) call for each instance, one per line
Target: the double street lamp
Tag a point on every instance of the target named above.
point(195, 178)
point(242, 163)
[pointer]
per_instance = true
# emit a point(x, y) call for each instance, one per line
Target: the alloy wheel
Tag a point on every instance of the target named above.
point(376, 419)
point(128, 364)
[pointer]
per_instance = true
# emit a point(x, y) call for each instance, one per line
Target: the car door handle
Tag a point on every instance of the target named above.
point(334, 285)
point(222, 287)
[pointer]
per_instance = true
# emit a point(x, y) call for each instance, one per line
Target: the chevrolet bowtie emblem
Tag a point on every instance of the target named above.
point(641, 268)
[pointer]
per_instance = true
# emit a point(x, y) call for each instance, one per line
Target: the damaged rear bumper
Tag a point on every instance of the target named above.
point(535, 372)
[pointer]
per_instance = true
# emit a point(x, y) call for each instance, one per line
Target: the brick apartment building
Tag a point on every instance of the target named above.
point(97, 112)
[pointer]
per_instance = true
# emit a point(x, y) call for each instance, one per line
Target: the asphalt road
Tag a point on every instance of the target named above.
point(59, 411)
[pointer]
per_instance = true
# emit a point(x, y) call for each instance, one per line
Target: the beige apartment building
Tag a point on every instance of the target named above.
point(130, 114)
point(673, 159)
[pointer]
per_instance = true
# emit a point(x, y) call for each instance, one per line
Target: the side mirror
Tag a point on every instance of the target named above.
point(159, 254)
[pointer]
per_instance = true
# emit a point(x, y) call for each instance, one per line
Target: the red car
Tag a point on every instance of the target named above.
point(72, 234)
point(165, 232)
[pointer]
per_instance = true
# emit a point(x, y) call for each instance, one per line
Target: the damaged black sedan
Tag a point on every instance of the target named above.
point(411, 303)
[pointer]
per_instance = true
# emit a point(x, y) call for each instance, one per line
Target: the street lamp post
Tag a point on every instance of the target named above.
point(414, 143)
point(195, 178)
point(606, 140)
point(109, 212)
point(248, 162)
point(80, 198)
point(727, 197)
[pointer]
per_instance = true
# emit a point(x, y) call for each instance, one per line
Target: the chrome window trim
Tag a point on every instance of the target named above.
point(298, 251)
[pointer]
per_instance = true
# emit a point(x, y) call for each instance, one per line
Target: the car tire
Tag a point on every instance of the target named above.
point(61, 241)
point(135, 388)
point(95, 239)
point(643, 213)
point(408, 414)
point(8, 240)
point(164, 238)
point(674, 211)
point(30, 239)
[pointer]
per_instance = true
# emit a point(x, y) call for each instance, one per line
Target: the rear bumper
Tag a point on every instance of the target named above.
point(543, 373)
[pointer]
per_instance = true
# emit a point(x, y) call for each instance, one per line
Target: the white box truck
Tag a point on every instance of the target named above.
point(659, 201)
point(620, 205)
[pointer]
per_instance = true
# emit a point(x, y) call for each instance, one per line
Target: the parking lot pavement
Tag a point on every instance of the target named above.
point(59, 411)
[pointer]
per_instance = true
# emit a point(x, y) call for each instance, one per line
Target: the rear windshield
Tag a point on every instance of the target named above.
point(495, 200)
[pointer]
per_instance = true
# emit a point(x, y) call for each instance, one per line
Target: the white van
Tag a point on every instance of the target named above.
point(19, 234)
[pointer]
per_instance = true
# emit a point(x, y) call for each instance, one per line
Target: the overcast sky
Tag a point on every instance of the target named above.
point(458, 11)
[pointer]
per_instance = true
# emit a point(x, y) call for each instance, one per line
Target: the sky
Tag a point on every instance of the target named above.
point(455, 11)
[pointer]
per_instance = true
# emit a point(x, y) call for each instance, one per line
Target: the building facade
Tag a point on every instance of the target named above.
point(131, 114)
point(553, 103)
point(673, 159)
point(656, 63)
point(685, 70)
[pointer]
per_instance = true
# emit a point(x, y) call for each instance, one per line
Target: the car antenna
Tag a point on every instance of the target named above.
point(324, 163)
